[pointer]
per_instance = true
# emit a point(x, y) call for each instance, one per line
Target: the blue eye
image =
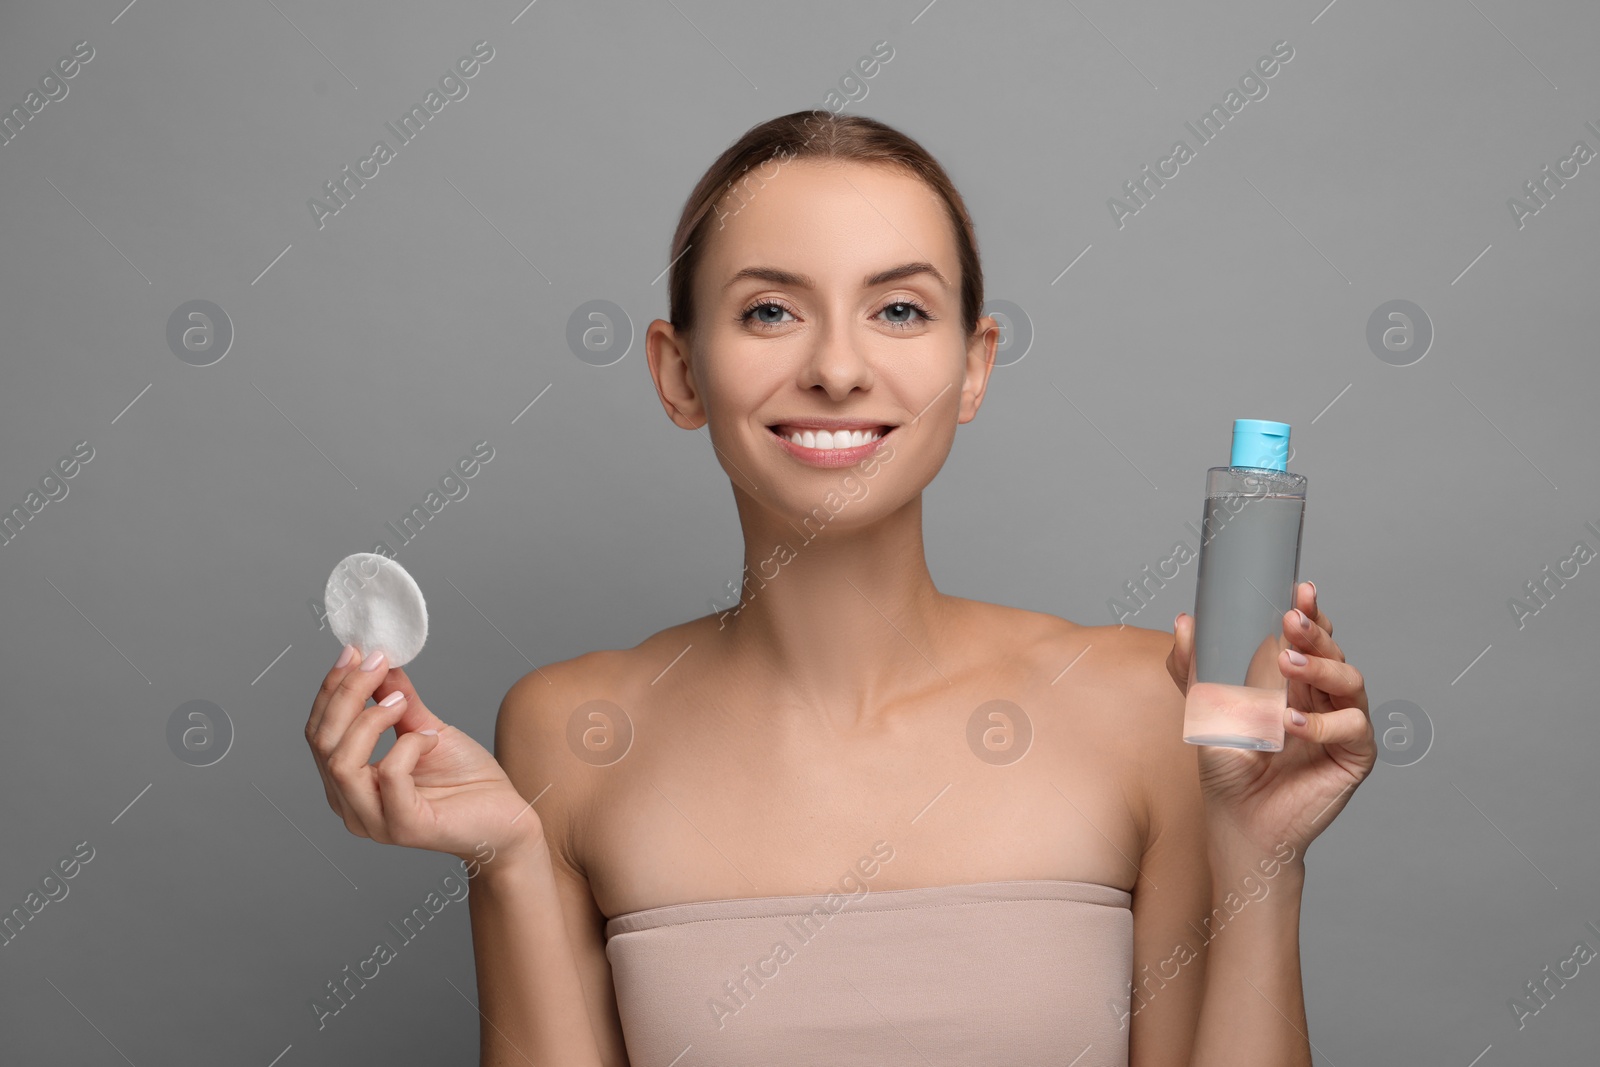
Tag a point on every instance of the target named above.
point(770, 313)
point(904, 307)
point(764, 306)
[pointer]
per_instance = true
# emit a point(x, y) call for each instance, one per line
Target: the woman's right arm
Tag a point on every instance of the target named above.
point(530, 1000)
point(438, 789)
point(543, 976)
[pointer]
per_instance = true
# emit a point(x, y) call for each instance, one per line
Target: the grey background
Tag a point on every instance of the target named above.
point(429, 313)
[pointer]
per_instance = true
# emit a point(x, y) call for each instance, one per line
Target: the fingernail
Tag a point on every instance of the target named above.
point(1305, 620)
point(430, 733)
point(1296, 658)
point(1297, 717)
point(392, 699)
point(346, 656)
point(372, 661)
point(1313, 586)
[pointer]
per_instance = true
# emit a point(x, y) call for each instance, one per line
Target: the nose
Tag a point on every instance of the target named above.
point(837, 361)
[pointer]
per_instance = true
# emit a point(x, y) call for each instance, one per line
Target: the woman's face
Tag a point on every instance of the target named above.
point(832, 293)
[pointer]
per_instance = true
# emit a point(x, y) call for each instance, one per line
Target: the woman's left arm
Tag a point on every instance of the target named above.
point(1262, 810)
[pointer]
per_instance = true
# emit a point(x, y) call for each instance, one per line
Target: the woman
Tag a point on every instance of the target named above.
point(858, 820)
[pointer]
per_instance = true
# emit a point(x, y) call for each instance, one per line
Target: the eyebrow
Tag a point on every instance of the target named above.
point(784, 277)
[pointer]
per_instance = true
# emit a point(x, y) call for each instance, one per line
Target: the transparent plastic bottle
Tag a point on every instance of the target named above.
point(1249, 564)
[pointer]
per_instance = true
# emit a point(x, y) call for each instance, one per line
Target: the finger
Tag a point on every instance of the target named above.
point(350, 765)
point(349, 658)
point(1306, 599)
point(417, 716)
point(404, 818)
point(1332, 676)
point(1349, 727)
point(349, 698)
point(1178, 657)
point(1309, 636)
point(329, 790)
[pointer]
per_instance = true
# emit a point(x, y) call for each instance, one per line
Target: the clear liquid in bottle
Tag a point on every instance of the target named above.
point(1249, 563)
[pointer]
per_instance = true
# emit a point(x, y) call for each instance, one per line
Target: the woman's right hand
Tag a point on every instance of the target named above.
point(441, 791)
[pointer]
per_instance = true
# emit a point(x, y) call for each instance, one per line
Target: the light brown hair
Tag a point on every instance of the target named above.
point(813, 134)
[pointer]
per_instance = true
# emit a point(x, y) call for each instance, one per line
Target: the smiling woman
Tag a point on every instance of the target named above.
point(833, 321)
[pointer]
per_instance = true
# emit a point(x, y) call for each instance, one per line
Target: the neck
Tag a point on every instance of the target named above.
point(847, 619)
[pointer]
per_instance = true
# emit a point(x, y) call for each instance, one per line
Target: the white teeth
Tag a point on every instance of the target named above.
point(829, 440)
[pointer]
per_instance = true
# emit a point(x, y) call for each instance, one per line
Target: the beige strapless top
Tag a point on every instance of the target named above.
point(1007, 974)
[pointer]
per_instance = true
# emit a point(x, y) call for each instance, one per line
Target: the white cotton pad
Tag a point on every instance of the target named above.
point(373, 603)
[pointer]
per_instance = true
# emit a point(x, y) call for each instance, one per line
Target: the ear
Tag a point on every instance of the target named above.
point(667, 352)
point(980, 361)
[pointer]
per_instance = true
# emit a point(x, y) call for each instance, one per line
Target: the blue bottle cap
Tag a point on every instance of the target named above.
point(1259, 443)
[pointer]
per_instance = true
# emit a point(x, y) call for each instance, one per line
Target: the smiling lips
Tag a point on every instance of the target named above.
point(830, 444)
point(809, 437)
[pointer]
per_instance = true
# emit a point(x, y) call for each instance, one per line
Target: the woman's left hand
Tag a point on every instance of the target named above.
point(1257, 801)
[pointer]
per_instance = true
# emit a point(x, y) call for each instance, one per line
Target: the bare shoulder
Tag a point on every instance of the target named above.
point(1137, 658)
point(1150, 721)
point(1113, 680)
point(554, 724)
point(530, 744)
point(1131, 658)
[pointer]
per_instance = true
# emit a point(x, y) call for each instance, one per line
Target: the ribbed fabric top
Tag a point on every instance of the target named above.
point(1006, 974)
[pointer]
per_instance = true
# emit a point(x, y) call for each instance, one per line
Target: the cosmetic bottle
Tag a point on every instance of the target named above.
point(1249, 563)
